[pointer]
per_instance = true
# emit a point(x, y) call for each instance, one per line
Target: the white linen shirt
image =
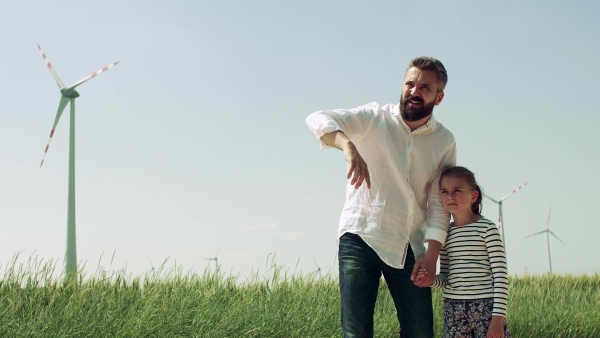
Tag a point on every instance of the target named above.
point(403, 204)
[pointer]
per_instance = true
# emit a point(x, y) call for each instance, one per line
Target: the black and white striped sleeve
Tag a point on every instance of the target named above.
point(497, 257)
point(441, 279)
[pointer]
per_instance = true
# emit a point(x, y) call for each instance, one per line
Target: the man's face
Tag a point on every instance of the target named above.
point(419, 94)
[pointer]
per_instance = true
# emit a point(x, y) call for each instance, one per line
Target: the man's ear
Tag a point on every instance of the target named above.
point(439, 98)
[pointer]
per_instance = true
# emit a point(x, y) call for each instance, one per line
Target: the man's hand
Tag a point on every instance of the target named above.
point(421, 273)
point(358, 171)
point(423, 278)
point(496, 328)
point(427, 262)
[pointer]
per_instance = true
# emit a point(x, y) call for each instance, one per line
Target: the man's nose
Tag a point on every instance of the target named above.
point(415, 92)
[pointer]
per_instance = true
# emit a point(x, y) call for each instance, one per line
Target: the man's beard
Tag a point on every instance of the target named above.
point(415, 113)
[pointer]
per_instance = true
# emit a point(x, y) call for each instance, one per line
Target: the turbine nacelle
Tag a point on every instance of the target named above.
point(70, 93)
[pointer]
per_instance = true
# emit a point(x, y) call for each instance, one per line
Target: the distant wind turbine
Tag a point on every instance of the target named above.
point(152, 267)
point(68, 96)
point(548, 233)
point(318, 272)
point(500, 217)
point(215, 259)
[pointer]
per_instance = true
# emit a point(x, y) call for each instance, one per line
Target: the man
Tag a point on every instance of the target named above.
point(395, 154)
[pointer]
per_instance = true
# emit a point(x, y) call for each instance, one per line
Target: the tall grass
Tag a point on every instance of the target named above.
point(555, 306)
point(34, 302)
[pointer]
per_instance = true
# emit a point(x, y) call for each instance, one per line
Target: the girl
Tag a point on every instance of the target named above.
point(472, 263)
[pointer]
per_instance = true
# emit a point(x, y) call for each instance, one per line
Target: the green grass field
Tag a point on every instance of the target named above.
point(171, 303)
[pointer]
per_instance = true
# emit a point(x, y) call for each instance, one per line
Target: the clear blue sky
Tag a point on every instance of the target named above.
point(196, 141)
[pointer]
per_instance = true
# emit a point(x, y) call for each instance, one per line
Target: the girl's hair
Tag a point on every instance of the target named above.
point(469, 177)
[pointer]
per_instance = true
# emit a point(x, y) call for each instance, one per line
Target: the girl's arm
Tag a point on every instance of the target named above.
point(497, 258)
point(441, 279)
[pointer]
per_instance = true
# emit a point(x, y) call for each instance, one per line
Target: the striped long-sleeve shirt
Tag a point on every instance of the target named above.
point(473, 264)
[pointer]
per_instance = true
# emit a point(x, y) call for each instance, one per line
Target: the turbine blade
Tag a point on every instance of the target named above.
point(491, 199)
point(94, 74)
point(61, 107)
point(551, 233)
point(537, 233)
point(512, 192)
point(314, 260)
point(56, 78)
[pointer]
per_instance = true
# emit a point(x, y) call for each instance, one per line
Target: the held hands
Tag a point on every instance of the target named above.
point(424, 272)
point(421, 273)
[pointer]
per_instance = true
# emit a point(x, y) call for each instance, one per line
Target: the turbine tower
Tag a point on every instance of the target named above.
point(68, 96)
point(500, 217)
point(548, 233)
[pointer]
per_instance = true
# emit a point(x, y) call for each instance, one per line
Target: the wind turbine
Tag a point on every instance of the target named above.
point(68, 96)
point(318, 272)
point(215, 259)
point(548, 233)
point(152, 267)
point(500, 217)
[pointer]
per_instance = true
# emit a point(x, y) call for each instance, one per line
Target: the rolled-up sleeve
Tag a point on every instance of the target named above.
point(319, 123)
point(355, 122)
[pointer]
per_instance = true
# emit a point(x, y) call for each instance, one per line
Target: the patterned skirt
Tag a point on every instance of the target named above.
point(469, 318)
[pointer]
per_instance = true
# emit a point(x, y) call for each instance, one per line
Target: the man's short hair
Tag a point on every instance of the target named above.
point(434, 65)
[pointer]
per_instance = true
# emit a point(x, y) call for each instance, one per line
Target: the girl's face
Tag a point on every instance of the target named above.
point(457, 195)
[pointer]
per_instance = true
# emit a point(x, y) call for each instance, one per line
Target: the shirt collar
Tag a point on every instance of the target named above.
point(432, 122)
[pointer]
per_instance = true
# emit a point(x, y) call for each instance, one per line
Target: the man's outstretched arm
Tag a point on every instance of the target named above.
point(358, 169)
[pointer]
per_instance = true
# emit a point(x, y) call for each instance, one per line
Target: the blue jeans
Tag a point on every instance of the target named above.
point(360, 272)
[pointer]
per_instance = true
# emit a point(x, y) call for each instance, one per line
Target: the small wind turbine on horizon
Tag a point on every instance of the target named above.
point(152, 267)
point(215, 259)
point(68, 96)
point(318, 272)
point(548, 233)
point(500, 217)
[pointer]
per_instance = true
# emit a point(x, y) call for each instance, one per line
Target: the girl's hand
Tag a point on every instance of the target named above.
point(421, 273)
point(496, 328)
